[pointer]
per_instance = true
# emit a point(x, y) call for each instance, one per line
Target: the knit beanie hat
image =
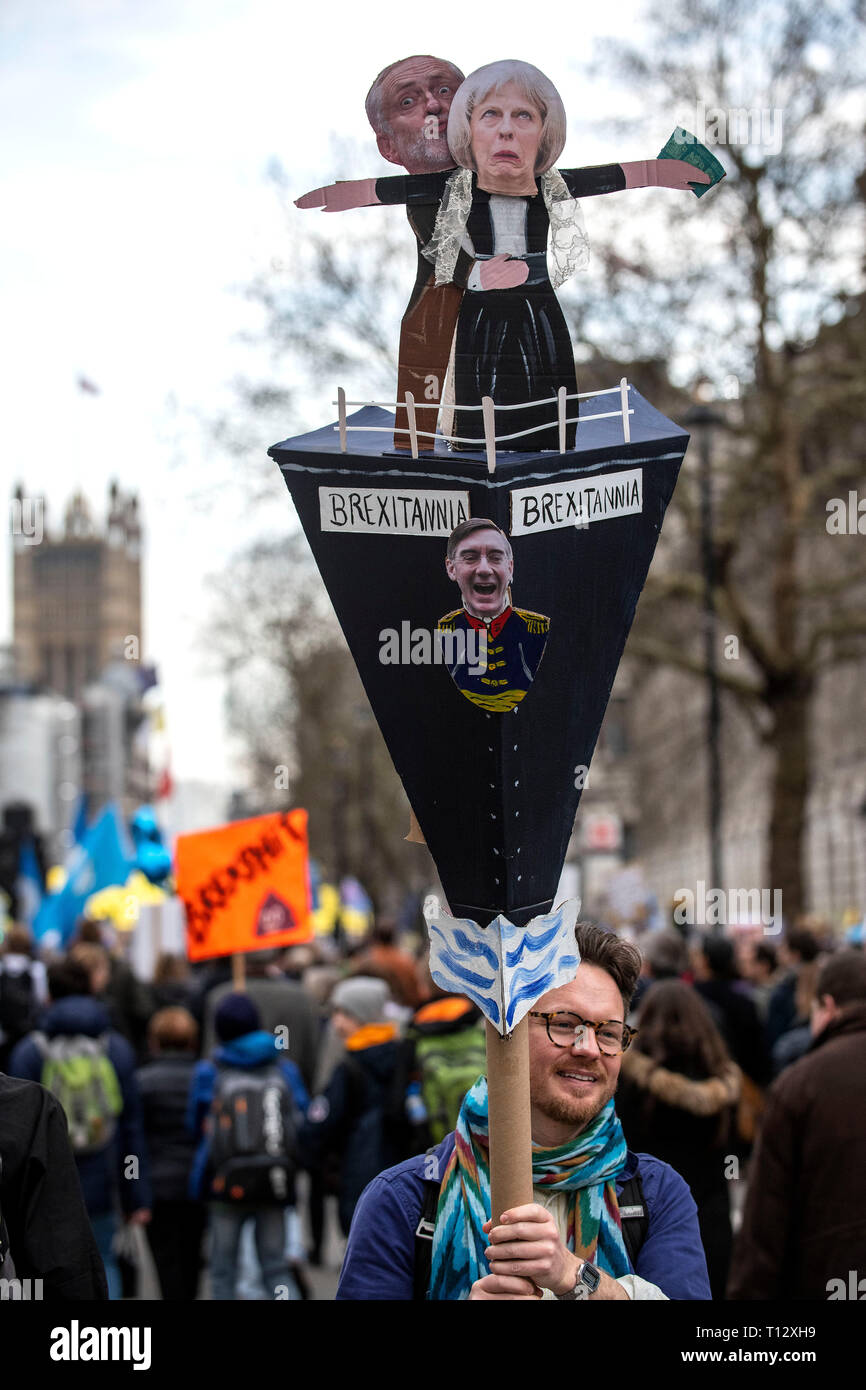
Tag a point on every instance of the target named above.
point(363, 997)
point(235, 1016)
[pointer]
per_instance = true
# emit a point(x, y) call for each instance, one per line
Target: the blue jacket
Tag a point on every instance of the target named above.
point(247, 1053)
point(380, 1256)
point(102, 1174)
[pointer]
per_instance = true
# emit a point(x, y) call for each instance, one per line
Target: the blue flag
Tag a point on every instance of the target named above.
point(101, 860)
point(79, 825)
point(29, 885)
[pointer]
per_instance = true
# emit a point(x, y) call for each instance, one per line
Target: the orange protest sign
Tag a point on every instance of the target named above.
point(245, 886)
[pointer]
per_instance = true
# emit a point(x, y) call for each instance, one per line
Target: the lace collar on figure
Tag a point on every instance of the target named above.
point(568, 244)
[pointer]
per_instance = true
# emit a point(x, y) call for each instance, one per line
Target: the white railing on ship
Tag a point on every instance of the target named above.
point(487, 408)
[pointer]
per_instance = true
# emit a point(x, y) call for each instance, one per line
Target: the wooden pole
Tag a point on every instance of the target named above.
point(623, 396)
point(489, 432)
point(341, 417)
point(239, 974)
point(510, 1124)
point(413, 429)
point(561, 409)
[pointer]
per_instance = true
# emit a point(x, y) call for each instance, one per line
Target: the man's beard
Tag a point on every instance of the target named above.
point(578, 1111)
point(426, 156)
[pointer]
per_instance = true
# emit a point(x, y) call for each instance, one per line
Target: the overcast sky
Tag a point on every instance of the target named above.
point(135, 143)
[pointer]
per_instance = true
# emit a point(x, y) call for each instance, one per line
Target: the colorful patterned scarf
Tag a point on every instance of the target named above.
point(586, 1168)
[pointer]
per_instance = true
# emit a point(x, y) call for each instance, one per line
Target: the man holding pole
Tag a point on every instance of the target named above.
point(604, 1223)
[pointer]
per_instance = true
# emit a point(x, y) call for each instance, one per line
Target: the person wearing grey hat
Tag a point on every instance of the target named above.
point(359, 1121)
point(358, 1001)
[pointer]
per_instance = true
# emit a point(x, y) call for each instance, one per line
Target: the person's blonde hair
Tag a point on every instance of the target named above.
point(535, 87)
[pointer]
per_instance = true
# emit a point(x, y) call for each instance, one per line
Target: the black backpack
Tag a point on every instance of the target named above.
point(632, 1210)
point(253, 1138)
point(18, 1008)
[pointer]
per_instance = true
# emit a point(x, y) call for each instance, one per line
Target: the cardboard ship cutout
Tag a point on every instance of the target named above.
point(486, 587)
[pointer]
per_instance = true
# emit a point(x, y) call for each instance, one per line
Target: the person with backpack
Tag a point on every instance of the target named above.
point(245, 1108)
point(605, 1223)
point(361, 1121)
point(23, 990)
point(450, 1055)
point(90, 1068)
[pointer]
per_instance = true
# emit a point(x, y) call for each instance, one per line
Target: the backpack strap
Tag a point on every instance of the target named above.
point(424, 1232)
point(634, 1216)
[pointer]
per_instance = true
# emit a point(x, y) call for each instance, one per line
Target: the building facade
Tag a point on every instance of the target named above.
point(76, 596)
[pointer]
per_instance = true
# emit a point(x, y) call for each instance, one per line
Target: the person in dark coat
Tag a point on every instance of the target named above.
point(118, 1174)
point(127, 998)
point(677, 1092)
point(41, 1204)
point(731, 1006)
point(177, 1225)
point(804, 1223)
point(799, 948)
point(347, 1121)
point(173, 985)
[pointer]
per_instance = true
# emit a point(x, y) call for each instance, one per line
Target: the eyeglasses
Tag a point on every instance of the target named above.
point(567, 1030)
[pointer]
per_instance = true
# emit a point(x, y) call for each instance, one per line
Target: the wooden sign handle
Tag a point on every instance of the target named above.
point(239, 973)
point(510, 1123)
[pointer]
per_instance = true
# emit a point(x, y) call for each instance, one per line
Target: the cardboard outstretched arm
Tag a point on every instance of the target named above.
point(593, 180)
point(663, 173)
point(338, 197)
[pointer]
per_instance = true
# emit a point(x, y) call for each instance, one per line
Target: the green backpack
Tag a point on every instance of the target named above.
point(80, 1073)
point(449, 1064)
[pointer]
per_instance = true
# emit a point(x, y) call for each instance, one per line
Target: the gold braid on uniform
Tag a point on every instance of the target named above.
point(448, 623)
point(495, 704)
point(536, 623)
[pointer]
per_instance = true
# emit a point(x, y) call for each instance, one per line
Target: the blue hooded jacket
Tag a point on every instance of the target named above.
point(247, 1053)
point(380, 1257)
point(107, 1173)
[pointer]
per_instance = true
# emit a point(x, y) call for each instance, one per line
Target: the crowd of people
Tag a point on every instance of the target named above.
point(671, 1077)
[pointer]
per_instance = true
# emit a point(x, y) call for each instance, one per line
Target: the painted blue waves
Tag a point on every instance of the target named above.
point(502, 968)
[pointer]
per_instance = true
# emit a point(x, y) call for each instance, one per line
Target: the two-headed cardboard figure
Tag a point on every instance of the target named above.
point(487, 205)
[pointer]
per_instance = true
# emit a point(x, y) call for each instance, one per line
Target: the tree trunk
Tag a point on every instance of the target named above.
point(790, 786)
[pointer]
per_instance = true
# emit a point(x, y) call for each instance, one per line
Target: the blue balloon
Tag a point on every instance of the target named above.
point(154, 861)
